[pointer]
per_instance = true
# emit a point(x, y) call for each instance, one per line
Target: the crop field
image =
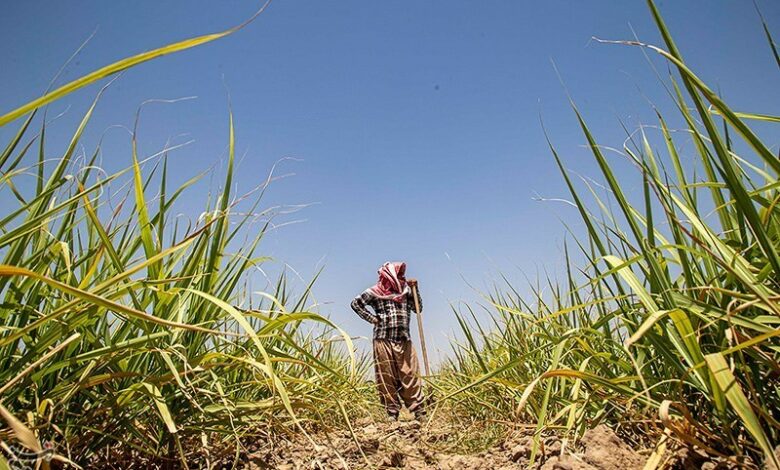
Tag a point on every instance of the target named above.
point(131, 337)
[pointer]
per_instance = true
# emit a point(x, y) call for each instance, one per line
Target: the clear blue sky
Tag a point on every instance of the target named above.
point(416, 122)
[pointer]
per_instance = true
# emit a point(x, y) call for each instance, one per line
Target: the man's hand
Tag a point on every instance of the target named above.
point(412, 282)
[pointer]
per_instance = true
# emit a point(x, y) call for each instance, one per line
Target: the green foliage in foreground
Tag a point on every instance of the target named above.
point(120, 339)
point(674, 331)
point(119, 322)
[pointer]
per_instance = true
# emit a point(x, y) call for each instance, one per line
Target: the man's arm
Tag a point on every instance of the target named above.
point(360, 304)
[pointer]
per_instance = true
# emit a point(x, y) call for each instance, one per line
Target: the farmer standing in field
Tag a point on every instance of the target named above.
point(395, 360)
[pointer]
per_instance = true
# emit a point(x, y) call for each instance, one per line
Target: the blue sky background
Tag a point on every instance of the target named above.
point(416, 123)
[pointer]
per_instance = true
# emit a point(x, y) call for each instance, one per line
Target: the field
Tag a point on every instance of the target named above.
point(124, 344)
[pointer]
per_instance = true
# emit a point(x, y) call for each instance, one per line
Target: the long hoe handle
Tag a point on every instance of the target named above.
point(420, 329)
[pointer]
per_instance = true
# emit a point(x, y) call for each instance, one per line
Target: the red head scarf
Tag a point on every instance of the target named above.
point(392, 282)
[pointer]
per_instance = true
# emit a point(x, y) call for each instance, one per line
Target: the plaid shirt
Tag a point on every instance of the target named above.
point(391, 319)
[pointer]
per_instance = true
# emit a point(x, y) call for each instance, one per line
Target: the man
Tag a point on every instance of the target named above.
point(395, 361)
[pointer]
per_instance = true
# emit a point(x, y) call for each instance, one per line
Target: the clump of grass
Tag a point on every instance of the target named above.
point(122, 339)
point(670, 331)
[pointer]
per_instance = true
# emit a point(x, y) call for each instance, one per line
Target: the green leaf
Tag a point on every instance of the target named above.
point(739, 403)
point(119, 66)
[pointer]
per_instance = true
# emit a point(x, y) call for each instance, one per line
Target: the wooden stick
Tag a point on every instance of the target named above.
point(420, 329)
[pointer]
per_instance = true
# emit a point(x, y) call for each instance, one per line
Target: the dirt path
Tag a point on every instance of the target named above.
point(410, 445)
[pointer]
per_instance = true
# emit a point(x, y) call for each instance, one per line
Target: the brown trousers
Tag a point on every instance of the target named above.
point(397, 373)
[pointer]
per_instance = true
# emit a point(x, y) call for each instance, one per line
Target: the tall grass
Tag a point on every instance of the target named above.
point(671, 329)
point(122, 337)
